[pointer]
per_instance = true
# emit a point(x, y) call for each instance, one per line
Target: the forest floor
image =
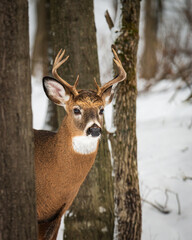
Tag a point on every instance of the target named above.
point(164, 133)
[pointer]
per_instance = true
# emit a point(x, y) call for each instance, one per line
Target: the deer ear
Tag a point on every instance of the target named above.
point(107, 95)
point(55, 91)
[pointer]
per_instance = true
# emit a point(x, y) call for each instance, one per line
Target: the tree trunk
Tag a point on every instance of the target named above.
point(124, 142)
point(40, 50)
point(40, 57)
point(148, 62)
point(17, 186)
point(72, 27)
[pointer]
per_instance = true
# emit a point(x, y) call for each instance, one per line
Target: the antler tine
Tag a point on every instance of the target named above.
point(119, 78)
point(57, 63)
point(76, 81)
point(59, 54)
point(97, 86)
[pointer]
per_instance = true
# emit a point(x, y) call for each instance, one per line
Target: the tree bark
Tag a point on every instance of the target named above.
point(91, 215)
point(124, 142)
point(17, 182)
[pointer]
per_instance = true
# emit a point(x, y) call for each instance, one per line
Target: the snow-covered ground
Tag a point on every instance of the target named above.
point(164, 132)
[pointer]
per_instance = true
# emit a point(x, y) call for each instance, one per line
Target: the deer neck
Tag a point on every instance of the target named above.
point(77, 162)
point(62, 173)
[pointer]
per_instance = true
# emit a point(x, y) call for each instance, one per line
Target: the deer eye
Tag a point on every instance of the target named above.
point(76, 111)
point(101, 111)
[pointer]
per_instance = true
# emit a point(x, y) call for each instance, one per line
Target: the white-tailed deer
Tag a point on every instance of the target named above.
point(63, 159)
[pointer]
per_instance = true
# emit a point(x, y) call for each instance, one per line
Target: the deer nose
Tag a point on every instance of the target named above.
point(94, 130)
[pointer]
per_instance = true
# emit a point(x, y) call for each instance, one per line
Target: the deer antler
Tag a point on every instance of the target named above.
point(57, 63)
point(119, 78)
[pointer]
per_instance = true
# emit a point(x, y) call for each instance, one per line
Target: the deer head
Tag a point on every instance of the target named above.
point(84, 107)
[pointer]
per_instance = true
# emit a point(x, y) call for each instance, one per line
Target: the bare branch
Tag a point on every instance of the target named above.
point(177, 198)
point(185, 178)
point(158, 207)
point(163, 208)
point(109, 20)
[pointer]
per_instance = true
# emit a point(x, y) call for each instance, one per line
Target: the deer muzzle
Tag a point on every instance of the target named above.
point(94, 130)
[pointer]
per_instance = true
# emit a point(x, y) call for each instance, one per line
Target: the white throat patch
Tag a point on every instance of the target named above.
point(85, 144)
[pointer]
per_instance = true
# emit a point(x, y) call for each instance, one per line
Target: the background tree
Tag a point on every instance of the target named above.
point(175, 51)
point(39, 57)
point(166, 44)
point(17, 203)
point(72, 27)
point(124, 141)
point(152, 19)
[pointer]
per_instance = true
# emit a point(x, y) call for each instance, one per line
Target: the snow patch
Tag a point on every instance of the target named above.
point(102, 209)
point(104, 230)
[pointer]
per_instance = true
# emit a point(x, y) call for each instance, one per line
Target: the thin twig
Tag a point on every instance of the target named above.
point(185, 178)
point(177, 198)
point(109, 20)
point(158, 207)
